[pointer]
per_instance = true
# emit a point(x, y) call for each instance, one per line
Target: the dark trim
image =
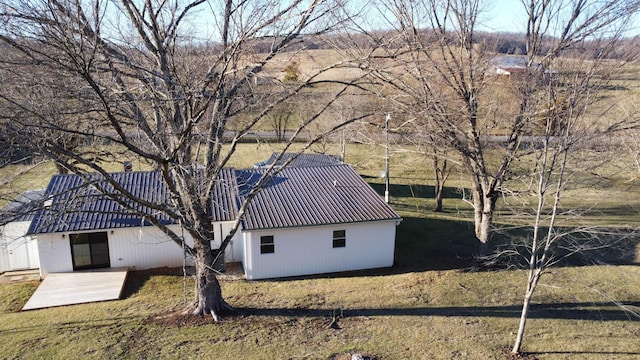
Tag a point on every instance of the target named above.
point(339, 238)
point(267, 244)
point(97, 247)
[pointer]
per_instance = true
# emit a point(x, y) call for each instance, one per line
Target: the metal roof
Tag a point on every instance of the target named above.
point(296, 196)
point(22, 208)
point(300, 160)
point(517, 64)
point(308, 196)
point(77, 204)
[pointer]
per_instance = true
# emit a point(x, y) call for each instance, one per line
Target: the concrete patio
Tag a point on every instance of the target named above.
point(78, 287)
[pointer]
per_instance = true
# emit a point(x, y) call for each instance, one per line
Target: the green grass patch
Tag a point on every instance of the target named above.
point(393, 314)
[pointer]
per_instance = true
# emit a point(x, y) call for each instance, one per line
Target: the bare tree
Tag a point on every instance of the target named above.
point(146, 87)
point(571, 47)
point(558, 157)
point(281, 119)
point(442, 167)
point(444, 72)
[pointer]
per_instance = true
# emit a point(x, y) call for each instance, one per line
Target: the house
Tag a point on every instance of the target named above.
point(19, 251)
point(307, 220)
point(84, 229)
point(512, 65)
point(313, 220)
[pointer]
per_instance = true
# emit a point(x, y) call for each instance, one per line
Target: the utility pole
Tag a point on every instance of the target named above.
point(386, 172)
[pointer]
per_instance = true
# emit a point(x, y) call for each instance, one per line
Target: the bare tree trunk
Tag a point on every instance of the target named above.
point(441, 171)
point(534, 276)
point(483, 227)
point(483, 210)
point(439, 189)
point(523, 321)
point(209, 300)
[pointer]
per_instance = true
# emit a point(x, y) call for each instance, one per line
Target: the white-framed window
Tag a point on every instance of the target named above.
point(267, 244)
point(339, 238)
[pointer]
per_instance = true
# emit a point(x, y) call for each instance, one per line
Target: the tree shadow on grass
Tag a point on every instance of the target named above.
point(81, 325)
point(136, 279)
point(434, 244)
point(599, 354)
point(416, 191)
point(562, 311)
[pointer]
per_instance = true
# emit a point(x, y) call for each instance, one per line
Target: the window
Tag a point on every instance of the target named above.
point(267, 246)
point(339, 238)
point(89, 250)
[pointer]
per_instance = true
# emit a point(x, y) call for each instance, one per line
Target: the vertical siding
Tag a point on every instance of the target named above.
point(13, 239)
point(4, 253)
point(55, 253)
point(145, 248)
point(233, 252)
point(309, 250)
point(135, 248)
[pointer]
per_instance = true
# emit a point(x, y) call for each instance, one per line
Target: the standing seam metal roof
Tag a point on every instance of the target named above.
point(22, 208)
point(300, 160)
point(296, 196)
point(308, 196)
point(77, 204)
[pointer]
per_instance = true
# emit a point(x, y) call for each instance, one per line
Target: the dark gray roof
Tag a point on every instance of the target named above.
point(76, 204)
point(307, 196)
point(301, 160)
point(22, 208)
point(297, 196)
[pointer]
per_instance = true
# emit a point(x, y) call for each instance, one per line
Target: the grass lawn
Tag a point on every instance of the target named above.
point(396, 314)
point(428, 306)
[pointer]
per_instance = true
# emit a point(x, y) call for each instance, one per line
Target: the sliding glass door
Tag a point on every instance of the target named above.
point(90, 250)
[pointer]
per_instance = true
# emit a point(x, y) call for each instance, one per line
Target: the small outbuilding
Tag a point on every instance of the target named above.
point(19, 251)
point(517, 65)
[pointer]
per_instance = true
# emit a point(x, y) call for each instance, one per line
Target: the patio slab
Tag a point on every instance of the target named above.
point(78, 287)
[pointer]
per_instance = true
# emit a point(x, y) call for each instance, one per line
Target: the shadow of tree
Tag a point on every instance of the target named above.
point(565, 311)
point(596, 246)
point(434, 244)
point(136, 279)
point(416, 191)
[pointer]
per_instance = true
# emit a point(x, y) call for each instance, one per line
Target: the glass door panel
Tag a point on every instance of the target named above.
point(89, 250)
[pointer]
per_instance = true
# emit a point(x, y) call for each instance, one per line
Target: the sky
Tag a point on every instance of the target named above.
point(509, 16)
point(503, 16)
point(495, 16)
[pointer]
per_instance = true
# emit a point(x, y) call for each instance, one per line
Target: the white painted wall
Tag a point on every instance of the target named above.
point(55, 253)
point(146, 248)
point(309, 250)
point(234, 251)
point(136, 248)
point(17, 251)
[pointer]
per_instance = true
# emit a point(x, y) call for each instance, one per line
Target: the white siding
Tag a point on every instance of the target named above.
point(135, 248)
point(17, 251)
point(4, 253)
point(233, 252)
point(309, 250)
point(55, 253)
point(145, 248)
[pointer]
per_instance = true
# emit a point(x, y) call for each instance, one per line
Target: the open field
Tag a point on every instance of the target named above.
point(428, 306)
